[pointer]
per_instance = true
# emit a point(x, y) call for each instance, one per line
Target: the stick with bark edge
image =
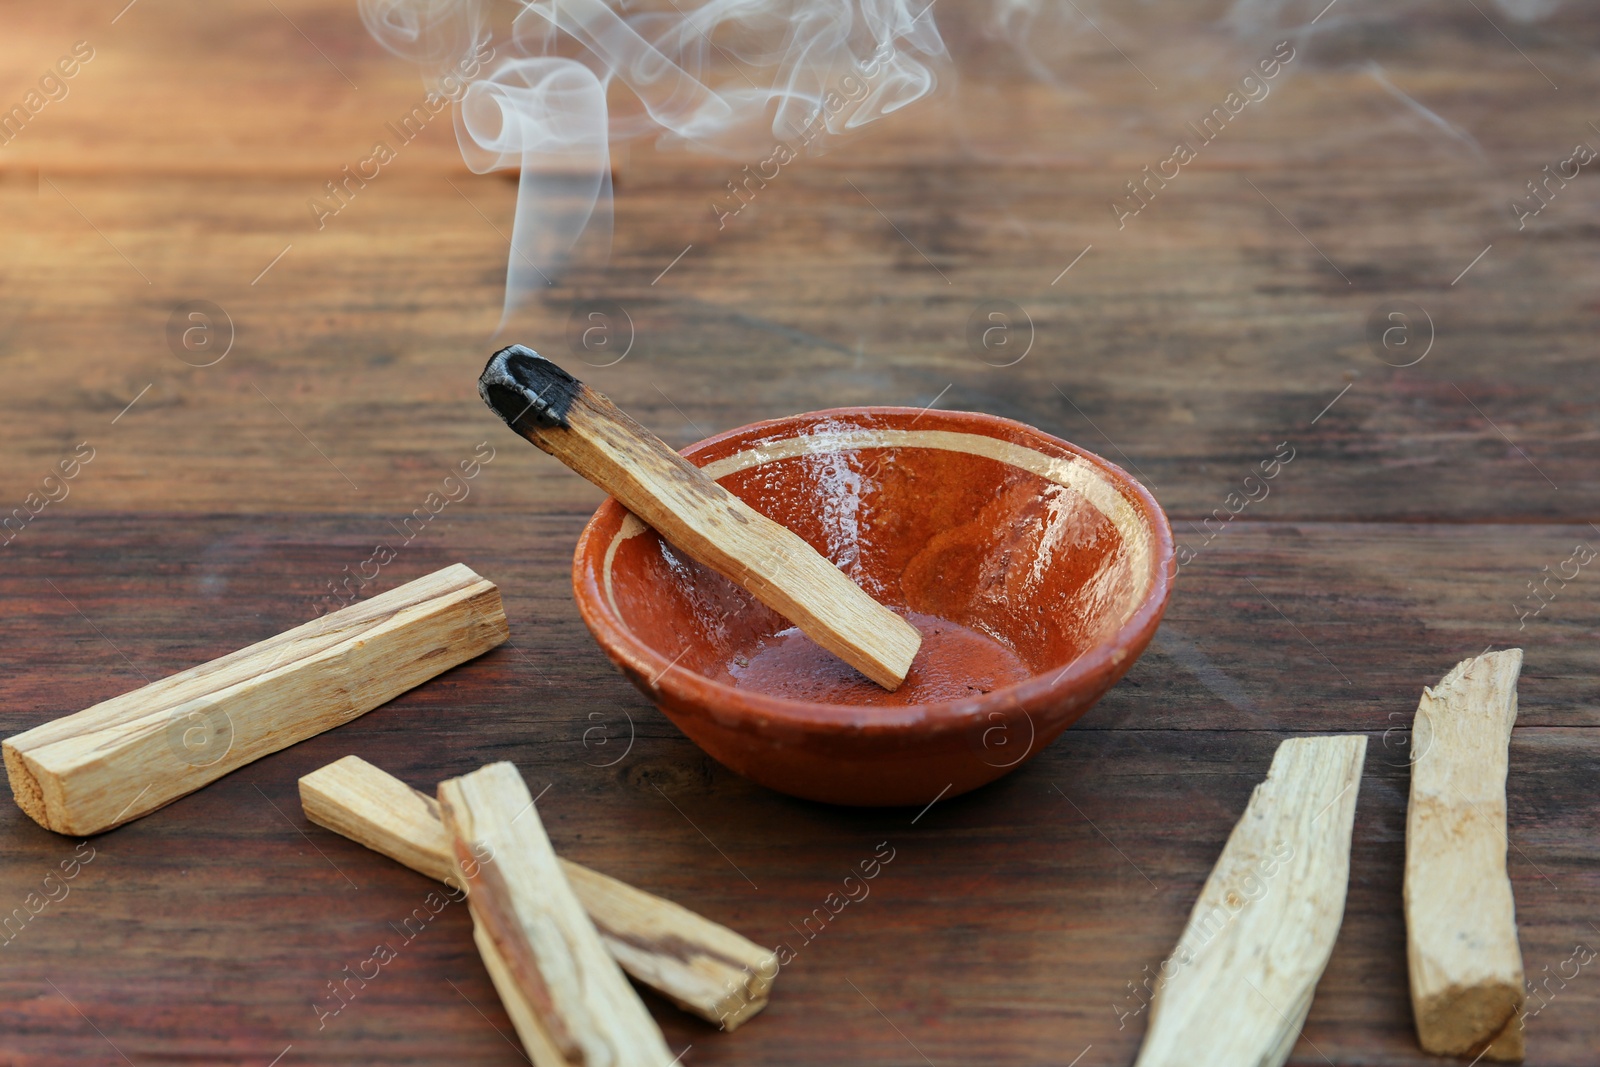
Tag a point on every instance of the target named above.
point(703, 967)
point(567, 997)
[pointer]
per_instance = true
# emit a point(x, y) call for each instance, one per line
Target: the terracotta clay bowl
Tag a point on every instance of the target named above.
point(1037, 573)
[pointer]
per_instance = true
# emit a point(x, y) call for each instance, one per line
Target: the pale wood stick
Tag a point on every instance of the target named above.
point(536, 1037)
point(567, 996)
point(1238, 987)
point(701, 966)
point(584, 430)
point(128, 756)
point(1461, 923)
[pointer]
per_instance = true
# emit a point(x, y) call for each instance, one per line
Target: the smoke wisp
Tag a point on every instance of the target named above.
point(726, 77)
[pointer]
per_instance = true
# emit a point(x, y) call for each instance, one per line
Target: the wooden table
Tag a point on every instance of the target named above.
point(1229, 316)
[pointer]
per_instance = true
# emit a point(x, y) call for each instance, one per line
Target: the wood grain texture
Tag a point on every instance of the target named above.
point(962, 933)
point(1016, 926)
point(1238, 987)
point(1461, 925)
point(567, 997)
point(1194, 340)
point(695, 514)
point(127, 756)
point(699, 965)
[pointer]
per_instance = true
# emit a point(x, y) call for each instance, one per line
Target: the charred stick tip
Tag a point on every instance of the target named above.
point(522, 387)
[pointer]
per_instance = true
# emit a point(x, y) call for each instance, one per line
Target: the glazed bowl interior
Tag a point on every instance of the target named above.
point(1023, 560)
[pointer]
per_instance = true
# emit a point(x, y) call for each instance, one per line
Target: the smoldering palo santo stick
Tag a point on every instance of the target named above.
point(565, 994)
point(128, 756)
point(584, 430)
point(703, 967)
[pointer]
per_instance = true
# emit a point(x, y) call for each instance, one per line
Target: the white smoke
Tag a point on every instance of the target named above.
point(567, 79)
point(1285, 14)
point(1428, 115)
point(1081, 47)
point(726, 77)
point(1528, 10)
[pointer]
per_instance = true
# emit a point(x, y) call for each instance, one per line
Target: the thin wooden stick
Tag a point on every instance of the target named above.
point(584, 430)
point(565, 994)
point(1461, 923)
point(129, 755)
point(1238, 987)
point(701, 966)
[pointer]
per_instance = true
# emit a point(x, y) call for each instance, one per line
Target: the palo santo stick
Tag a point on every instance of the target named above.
point(701, 966)
point(584, 430)
point(1461, 924)
point(127, 756)
point(1238, 987)
point(564, 992)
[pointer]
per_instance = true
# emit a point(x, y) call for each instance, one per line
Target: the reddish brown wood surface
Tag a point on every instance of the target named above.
point(217, 509)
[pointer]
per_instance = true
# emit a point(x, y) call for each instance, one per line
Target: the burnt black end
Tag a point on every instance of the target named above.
point(527, 390)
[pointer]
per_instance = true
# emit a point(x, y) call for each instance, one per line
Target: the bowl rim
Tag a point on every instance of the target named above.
point(685, 688)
